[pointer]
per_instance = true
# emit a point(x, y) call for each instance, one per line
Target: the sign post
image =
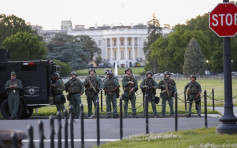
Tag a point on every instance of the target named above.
point(223, 21)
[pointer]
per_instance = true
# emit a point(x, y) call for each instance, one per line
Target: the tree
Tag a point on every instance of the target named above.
point(193, 59)
point(65, 68)
point(10, 25)
point(24, 45)
point(78, 50)
point(154, 32)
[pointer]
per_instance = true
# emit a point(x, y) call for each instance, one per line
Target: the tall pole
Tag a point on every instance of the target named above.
point(228, 125)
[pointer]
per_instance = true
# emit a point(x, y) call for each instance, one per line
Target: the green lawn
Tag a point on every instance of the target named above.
point(199, 138)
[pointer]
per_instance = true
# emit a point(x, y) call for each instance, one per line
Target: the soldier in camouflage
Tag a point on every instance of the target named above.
point(57, 90)
point(130, 87)
point(75, 89)
point(111, 86)
point(168, 88)
point(149, 87)
point(93, 85)
point(193, 89)
point(13, 88)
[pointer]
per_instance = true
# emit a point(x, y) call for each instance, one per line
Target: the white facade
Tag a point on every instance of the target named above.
point(121, 44)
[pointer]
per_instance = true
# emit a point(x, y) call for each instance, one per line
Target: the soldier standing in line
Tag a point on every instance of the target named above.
point(58, 88)
point(75, 89)
point(168, 88)
point(194, 91)
point(13, 88)
point(149, 87)
point(111, 86)
point(130, 87)
point(93, 85)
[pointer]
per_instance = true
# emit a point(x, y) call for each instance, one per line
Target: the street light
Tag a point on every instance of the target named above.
point(232, 61)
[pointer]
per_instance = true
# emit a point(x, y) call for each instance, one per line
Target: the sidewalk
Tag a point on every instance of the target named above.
point(221, 110)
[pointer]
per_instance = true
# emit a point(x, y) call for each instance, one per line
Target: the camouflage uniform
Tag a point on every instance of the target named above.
point(111, 85)
point(92, 95)
point(194, 90)
point(13, 95)
point(75, 88)
point(149, 87)
point(168, 88)
point(58, 89)
point(129, 95)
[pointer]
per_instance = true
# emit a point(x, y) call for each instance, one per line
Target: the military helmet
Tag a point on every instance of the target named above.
point(193, 76)
point(166, 73)
point(127, 70)
point(13, 73)
point(149, 72)
point(106, 70)
point(55, 74)
point(91, 69)
point(73, 73)
point(109, 73)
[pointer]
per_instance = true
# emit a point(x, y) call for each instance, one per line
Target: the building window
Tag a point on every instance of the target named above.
point(114, 42)
point(129, 42)
point(99, 43)
point(108, 43)
point(130, 54)
point(122, 54)
point(122, 42)
point(115, 55)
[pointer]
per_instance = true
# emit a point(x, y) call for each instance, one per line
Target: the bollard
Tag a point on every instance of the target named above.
point(41, 134)
point(71, 127)
point(121, 118)
point(213, 100)
point(82, 126)
point(185, 100)
point(146, 112)
point(14, 140)
point(176, 112)
point(66, 128)
point(59, 129)
point(98, 123)
point(31, 136)
point(51, 121)
point(101, 100)
point(205, 107)
point(143, 95)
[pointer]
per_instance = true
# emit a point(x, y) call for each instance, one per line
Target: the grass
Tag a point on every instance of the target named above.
point(199, 138)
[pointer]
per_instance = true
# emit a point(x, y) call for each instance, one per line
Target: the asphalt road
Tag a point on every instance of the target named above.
point(109, 128)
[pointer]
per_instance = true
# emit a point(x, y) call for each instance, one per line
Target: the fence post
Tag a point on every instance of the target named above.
point(82, 126)
point(71, 127)
point(52, 131)
point(41, 134)
point(14, 140)
point(185, 100)
point(66, 128)
point(176, 112)
point(213, 100)
point(98, 123)
point(146, 112)
point(59, 129)
point(31, 136)
point(101, 100)
point(143, 105)
point(205, 107)
point(121, 118)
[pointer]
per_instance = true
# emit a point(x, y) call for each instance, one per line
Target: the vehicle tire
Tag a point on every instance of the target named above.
point(6, 113)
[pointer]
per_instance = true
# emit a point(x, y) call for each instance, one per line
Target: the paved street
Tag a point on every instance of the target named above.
point(110, 128)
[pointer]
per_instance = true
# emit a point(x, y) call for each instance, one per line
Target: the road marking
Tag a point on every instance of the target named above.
point(75, 140)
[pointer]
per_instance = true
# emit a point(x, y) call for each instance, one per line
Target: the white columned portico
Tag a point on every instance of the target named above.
point(111, 50)
point(118, 57)
point(133, 52)
point(126, 51)
point(138, 48)
point(106, 51)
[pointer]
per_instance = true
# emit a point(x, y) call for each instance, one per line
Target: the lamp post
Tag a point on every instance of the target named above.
point(207, 72)
point(232, 61)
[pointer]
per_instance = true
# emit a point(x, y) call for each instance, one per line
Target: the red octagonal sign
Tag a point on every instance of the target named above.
point(223, 20)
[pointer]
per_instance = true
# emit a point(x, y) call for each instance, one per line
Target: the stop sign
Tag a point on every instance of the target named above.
point(223, 20)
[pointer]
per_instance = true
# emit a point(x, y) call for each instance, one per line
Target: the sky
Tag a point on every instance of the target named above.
point(50, 13)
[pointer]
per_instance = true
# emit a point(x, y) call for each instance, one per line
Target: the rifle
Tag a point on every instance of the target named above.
point(92, 86)
point(166, 88)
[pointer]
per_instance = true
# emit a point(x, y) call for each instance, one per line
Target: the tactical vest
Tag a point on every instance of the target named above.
point(93, 82)
point(74, 86)
point(60, 88)
point(16, 83)
point(193, 88)
point(150, 83)
point(170, 83)
point(126, 79)
point(110, 84)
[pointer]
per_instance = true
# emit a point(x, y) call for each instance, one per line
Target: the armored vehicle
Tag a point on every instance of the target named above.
point(36, 79)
